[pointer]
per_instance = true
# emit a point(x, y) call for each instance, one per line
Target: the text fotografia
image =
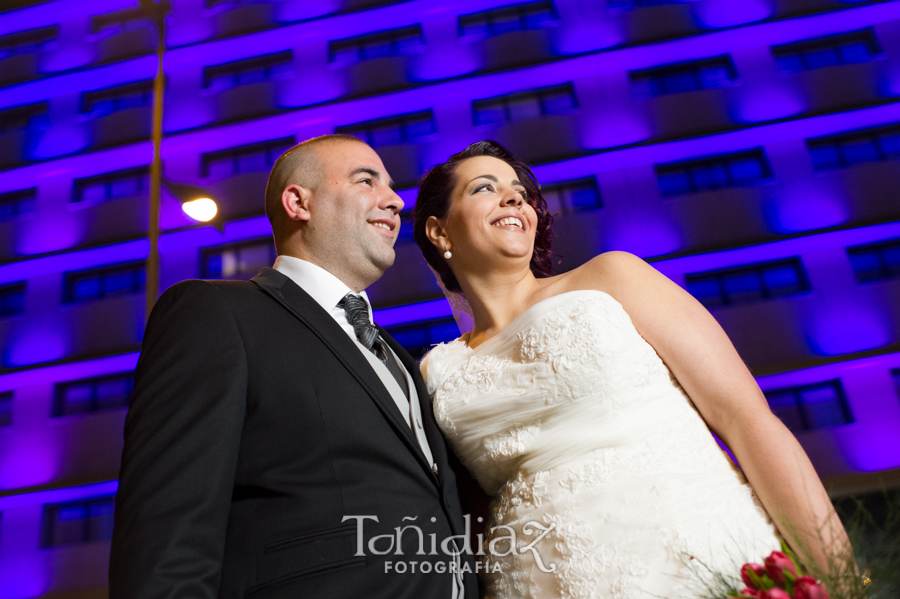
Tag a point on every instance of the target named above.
point(500, 546)
point(423, 567)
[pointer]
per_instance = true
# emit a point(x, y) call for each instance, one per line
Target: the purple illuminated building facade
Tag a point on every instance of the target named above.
point(749, 149)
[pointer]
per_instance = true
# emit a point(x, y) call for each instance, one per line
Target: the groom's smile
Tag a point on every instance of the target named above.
point(385, 224)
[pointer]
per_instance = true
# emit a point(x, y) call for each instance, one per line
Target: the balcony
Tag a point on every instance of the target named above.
point(12, 145)
point(18, 68)
point(122, 127)
point(377, 75)
point(244, 19)
point(127, 44)
point(246, 101)
point(517, 48)
point(538, 140)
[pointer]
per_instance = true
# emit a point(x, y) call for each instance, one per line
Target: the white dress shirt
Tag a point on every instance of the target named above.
point(327, 290)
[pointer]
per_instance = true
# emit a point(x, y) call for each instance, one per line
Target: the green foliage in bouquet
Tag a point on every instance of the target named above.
point(870, 570)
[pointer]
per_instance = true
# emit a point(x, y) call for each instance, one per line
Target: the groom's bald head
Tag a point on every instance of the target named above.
point(301, 165)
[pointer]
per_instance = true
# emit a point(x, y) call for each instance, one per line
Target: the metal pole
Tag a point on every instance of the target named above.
point(152, 282)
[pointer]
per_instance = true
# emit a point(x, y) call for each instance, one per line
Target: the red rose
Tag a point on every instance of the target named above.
point(776, 565)
point(806, 587)
point(773, 594)
point(757, 569)
point(747, 592)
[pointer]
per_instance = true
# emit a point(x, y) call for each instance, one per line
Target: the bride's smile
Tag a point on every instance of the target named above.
point(489, 214)
point(515, 221)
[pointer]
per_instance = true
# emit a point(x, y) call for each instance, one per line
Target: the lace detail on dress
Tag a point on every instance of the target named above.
point(522, 378)
point(477, 375)
point(577, 573)
point(627, 571)
point(519, 493)
point(579, 338)
point(564, 338)
point(594, 472)
point(510, 443)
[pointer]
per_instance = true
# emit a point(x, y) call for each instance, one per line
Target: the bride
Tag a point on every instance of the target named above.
point(583, 403)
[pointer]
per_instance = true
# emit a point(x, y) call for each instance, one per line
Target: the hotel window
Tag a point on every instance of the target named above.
point(6, 404)
point(519, 17)
point(99, 283)
point(848, 48)
point(572, 196)
point(83, 521)
point(113, 99)
point(419, 338)
point(741, 169)
point(120, 21)
point(868, 145)
point(393, 42)
point(684, 77)
point(532, 104)
point(20, 117)
point(28, 42)
point(95, 394)
point(15, 204)
point(810, 407)
point(754, 282)
point(407, 128)
point(239, 260)
point(12, 299)
point(244, 159)
point(251, 70)
point(226, 5)
point(875, 261)
point(625, 5)
point(111, 186)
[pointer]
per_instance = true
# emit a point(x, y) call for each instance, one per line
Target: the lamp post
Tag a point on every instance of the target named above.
point(157, 13)
point(195, 202)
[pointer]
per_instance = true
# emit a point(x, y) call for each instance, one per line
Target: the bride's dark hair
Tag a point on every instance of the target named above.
point(436, 193)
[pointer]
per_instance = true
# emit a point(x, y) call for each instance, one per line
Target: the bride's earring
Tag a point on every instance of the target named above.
point(447, 254)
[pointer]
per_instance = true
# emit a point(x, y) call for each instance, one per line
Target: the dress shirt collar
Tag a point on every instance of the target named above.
point(325, 288)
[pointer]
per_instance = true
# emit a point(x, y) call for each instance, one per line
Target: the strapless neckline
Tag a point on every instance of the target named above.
point(516, 323)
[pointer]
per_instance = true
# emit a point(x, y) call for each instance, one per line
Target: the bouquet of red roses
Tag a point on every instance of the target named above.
point(779, 578)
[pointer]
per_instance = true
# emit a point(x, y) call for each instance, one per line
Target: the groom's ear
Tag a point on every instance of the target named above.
point(436, 233)
point(295, 201)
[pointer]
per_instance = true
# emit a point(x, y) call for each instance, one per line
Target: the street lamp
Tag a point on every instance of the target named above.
point(195, 202)
point(202, 209)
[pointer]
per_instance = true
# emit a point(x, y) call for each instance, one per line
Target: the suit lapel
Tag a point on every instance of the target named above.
point(287, 293)
point(432, 433)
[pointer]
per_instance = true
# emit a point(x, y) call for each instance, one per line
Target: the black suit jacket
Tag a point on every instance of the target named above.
point(255, 429)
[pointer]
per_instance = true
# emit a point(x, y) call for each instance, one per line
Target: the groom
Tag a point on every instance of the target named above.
point(277, 443)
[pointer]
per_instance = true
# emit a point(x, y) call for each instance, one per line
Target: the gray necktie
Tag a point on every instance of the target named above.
point(357, 312)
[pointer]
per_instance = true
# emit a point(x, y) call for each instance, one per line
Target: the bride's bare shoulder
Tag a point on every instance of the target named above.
point(607, 271)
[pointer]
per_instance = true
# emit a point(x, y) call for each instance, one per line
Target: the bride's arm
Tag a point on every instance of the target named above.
point(702, 358)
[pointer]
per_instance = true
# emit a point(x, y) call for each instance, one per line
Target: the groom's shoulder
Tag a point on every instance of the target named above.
point(209, 287)
point(209, 292)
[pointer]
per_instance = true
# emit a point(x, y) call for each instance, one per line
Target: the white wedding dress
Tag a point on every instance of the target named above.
point(585, 440)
